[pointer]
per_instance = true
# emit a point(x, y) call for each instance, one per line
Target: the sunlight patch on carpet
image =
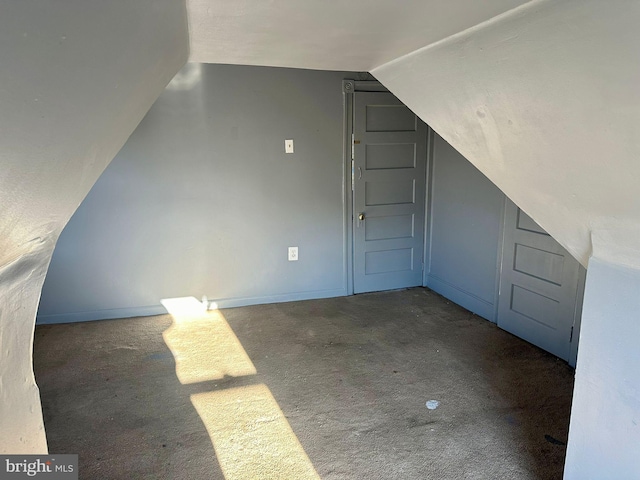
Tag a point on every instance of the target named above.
point(251, 436)
point(203, 344)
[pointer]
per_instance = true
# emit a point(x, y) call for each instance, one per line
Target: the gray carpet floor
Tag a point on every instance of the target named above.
point(338, 390)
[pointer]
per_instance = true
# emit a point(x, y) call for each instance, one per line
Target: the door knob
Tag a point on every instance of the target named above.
point(361, 217)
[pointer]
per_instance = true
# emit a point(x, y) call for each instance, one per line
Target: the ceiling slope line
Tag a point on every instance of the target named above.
point(520, 9)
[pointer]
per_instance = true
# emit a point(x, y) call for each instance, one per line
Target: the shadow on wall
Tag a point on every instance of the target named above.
point(250, 434)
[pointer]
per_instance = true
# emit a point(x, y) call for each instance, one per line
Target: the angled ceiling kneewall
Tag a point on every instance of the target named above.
point(543, 100)
point(75, 81)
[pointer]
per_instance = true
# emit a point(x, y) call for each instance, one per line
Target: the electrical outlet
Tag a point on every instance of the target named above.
point(293, 254)
point(288, 146)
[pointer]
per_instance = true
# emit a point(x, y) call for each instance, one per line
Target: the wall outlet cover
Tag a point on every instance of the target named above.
point(288, 146)
point(293, 254)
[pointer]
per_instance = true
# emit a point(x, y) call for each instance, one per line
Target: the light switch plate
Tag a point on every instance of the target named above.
point(288, 146)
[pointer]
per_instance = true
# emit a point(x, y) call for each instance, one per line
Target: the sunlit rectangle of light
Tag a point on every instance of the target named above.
point(251, 436)
point(203, 344)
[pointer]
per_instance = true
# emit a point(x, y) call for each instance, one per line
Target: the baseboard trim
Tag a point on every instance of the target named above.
point(108, 314)
point(286, 297)
point(463, 298)
point(150, 310)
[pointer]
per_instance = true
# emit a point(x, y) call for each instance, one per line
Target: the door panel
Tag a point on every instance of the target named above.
point(386, 228)
point(389, 183)
point(386, 191)
point(539, 285)
point(390, 156)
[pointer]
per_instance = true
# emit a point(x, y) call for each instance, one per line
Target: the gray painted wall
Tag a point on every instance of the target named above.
point(465, 228)
point(202, 200)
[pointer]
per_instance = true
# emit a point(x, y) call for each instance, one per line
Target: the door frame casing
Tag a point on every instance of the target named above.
point(349, 88)
point(577, 319)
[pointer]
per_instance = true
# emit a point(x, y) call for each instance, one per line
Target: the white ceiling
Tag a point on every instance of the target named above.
point(356, 35)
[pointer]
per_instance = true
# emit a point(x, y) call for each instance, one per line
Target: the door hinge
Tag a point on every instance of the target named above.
point(571, 336)
point(353, 175)
point(353, 146)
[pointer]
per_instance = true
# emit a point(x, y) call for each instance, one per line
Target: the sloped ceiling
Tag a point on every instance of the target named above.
point(353, 35)
point(75, 81)
point(541, 96)
point(544, 101)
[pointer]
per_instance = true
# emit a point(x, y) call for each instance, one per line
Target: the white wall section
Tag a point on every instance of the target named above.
point(543, 100)
point(75, 81)
point(605, 418)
